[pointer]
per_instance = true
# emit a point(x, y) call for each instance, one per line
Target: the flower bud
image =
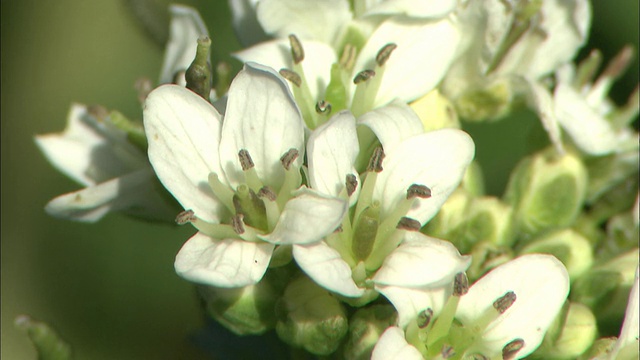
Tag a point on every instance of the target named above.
point(571, 334)
point(489, 102)
point(473, 181)
point(435, 111)
point(489, 219)
point(309, 317)
point(365, 328)
point(547, 191)
point(450, 221)
point(573, 249)
point(485, 256)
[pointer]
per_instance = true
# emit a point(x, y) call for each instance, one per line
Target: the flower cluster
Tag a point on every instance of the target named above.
point(335, 193)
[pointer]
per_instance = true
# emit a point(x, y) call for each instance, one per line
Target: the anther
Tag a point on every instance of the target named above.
point(184, 217)
point(338, 230)
point(288, 158)
point(460, 284)
point(479, 357)
point(447, 351)
point(363, 76)
point(385, 53)
point(238, 224)
point(245, 160)
point(409, 224)
point(297, 52)
point(375, 162)
point(348, 57)
point(504, 302)
point(323, 107)
point(424, 318)
point(267, 192)
point(510, 350)
point(351, 183)
point(291, 76)
point(418, 191)
point(619, 63)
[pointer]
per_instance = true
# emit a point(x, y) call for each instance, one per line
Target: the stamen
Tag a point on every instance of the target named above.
point(297, 51)
point(237, 224)
point(375, 163)
point(509, 351)
point(348, 58)
point(460, 284)
point(409, 224)
point(267, 192)
point(619, 63)
point(385, 53)
point(323, 107)
point(447, 351)
point(424, 318)
point(288, 158)
point(504, 302)
point(272, 210)
point(418, 191)
point(184, 217)
point(245, 160)
point(363, 76)
point(351, 183)
point(291, 76)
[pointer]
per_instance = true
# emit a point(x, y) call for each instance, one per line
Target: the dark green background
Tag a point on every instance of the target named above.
point(110, 288)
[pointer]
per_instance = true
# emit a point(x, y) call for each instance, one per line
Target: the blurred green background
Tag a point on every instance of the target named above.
point(109, 289)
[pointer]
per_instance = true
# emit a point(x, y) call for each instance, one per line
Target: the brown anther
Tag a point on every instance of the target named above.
point(510, 350)
point(238, 224)
point(619, 63)
point(184, 217)
point(504, 302)
point(363, 76)
point(323, 107)
point(291, 76)
point(288, 158)
point(424, 318)
point(409, 224)
point(297, 51)
point(245, 160)
point(351, 183)
point(418, 191)
point(460, 284)
point(447, 351)
point(375, 162)
point(385, 53)
point(339, 229)
point(348, 57)
point(267, 192)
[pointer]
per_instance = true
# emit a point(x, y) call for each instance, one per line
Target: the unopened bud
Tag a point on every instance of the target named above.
point(435, 111)
point(571, 334)
point(198, 75)
point(365, 328)
point(569, 246)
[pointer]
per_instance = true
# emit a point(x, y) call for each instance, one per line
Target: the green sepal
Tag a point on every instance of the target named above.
point(48, 344)
point(487, 103)
point(365, 328)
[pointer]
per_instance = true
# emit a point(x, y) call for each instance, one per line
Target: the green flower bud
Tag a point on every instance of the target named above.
point(485, 256)
point(450, 222)
point(489, 219)
point(47, 342)
point(198, 74)
point(622, 233)
point(309, 317)
point(573, 249)
point(435, 111)
point(547, 191)
point(571, 334)
point(606, 172)
point(487, 102)
point(365, 328)
point(473, 181)
point(618, 199)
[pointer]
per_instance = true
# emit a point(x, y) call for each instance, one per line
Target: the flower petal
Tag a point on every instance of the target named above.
point(630, 328)
point(541, 285)
point(425, 51)
point(183, 131)
point(307, 19)
point(411, 301)
point(541, 101)
point(392, 345)
point(307, 218)
point(392, 123)
point(422, 9)
point(186, 27)
point(422, 261)
point(262, 118)
point(325, 266)
point(437, 159)
point(133, 193)
point(245, 22)
point(332, 151)
point(222, 263)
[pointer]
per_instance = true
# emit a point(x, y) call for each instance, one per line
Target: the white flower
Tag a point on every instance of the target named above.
point(505, 313)
point(379, 249)
point(241, 171)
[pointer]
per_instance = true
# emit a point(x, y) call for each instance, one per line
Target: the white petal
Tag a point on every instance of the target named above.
point(392, 124)
point(183, 131)
point(422, 261)
point(186, 27)
point(332, 151)
point(437, 159)
point(245, 22)
point(88, 151)
point(541, 285)
point(425, 51)
point(262, 118)
point(590, 131)
point(223, 263)
point(423, 9)
point(307, 19)
point(393, 346)
point(630, 326)
point(409, 302)
point(134, 193)
point(307, 218)
point(541, 101)
point(277, 54)
point(325, 266)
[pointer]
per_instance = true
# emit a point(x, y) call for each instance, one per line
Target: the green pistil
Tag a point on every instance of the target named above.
point(365, 231)
point(198, 75)
point(366, 193)
point(442, 325)
point(248, 204)
point(336, 93)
